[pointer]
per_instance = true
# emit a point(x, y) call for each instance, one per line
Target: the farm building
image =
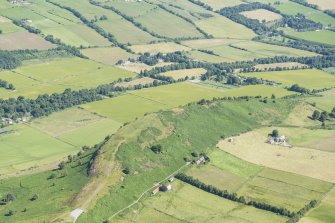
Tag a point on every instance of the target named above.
point(200, 160)
point(155, 191)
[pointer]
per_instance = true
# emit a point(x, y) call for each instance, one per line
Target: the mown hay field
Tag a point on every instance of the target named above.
point(262, 15)
point(308, 78)
point(304, 161)
point(177, 74)
point(168, 47)
point(57, 75)
point(323, 4)
point(218, 4)
point(107, 55)
point(23, 40)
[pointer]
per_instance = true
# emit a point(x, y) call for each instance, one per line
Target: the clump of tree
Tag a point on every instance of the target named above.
point(6, 85)
point(297, 88)
point(301, 23)
point(275, 133)
point(156, 148)
point(9, 198)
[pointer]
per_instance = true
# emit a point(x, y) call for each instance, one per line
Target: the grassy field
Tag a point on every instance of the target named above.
point(191, 128)
point(65, 121)
point(262, 15)
point(282, 65)
point(54, 195)
point(217, 4)
point(311, 78)
point(52, 20)
point(257, 183)
point(312, 163)
point(7, 26)
point(187, 203)
point(325, 102)
point(138, 67)
point(107, 55)
point(221, 27)
point(323, 4)
point(321, 36)
point(22, 40)
point(75, 73)
point(177, 74)
point(124, 31)
point(292, 8)
point(23, 147)
point(169, 47)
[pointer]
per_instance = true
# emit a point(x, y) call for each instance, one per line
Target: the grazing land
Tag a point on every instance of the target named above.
point(75, 73)
point(320, 36)
point(107, 55)
point(323, 4)
point(159, 47)
point(262, 15)
point(311, 163)
point(23, 40)
point(311, 79)
point(196, 72)
point(167, 111)
point(218, 4)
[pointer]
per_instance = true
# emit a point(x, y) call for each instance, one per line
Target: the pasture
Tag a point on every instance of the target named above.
point(312, 163)
point(107, 55)
point(54, 195)
point(60, 123)
point(32, 80)
point(221, 27)
point(262, 15)
point(292, 8)
point(138, 67)
point(281, 65)
point(257, 183)
point(178, 74)
point(187, 203)
point(123, 30)
point(135, 104)
point(321, 36)
point(325, 101)
point(155, 48)
point(323, 213)
point(205, 57)
point(323, 4)
point(22, 40)
point(308, 78)
point(6, 26)
point(23, 147)
point(217, 4)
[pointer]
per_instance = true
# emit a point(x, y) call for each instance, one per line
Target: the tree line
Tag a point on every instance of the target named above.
point(71, 49)
point(233, 196)
point(12, 59)
point(94, 26)
point(293, 216)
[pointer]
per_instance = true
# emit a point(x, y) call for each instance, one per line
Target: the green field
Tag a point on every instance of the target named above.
point(217, 4)
point(54, 195)
point(23, 147)
point(292, 8)
point(7, 26)
point(168, 47)
point(257, 183)
point(308, 78)
point(321, 36)
point(177, 74)
point(108, 55)
point(52, 20)
point(325, 101)
point(58, 75)
point(189, 204)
